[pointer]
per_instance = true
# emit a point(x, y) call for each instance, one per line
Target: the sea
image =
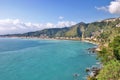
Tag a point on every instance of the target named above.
point(35, 59)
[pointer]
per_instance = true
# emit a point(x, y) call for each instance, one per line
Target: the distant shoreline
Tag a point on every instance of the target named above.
point(97, 48)
point(72, 39)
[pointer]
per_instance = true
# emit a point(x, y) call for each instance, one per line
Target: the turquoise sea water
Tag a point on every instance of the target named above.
point(22, 59)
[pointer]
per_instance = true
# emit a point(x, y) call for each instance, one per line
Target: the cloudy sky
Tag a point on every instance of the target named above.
point(20, 16)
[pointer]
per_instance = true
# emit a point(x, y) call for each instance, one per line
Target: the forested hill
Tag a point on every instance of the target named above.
point(73, 31)
point(85, 29)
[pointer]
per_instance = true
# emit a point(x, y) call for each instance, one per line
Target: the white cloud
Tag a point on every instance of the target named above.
point(13, 26)
point(61, 17)
point(113, 7)
point(102, 8)
point(65, 23)
point(50, 25)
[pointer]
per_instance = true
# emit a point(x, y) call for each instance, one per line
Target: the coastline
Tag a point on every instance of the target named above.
point(91, 42)
point(96, 48)
point(60, 38)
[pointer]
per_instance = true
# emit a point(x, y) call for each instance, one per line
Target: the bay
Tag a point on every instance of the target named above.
point(23, 59)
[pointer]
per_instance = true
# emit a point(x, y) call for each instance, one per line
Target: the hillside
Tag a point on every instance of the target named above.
point(93, 29)
point(109, 54)
point(73, 31)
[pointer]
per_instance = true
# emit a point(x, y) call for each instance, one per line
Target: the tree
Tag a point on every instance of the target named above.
point(115, 45)
point(110, 71)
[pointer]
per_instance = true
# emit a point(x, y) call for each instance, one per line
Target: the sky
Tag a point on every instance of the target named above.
point(20, 16)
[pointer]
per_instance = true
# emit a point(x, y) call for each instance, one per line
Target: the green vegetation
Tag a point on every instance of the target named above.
point(110, 71)
point(47, 32)
point(115, 45)
point(110, 58)
point(72, 32)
